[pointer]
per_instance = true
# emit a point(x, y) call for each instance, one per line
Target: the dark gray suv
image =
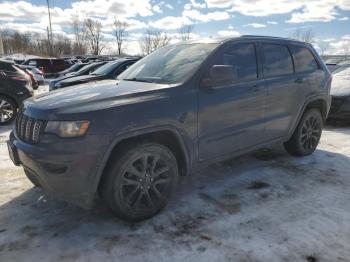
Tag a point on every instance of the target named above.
point(183, 106)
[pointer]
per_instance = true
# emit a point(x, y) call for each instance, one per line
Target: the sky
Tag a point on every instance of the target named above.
point(328, 19)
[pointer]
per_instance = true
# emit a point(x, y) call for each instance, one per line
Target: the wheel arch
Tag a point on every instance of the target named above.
point(166, 136)
point(319, 103)
point(10, 97)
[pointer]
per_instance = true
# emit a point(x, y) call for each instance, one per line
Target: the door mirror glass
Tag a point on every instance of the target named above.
point(219, 75)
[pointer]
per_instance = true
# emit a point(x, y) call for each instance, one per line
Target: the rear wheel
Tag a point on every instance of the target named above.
point(140, 181)
point(307, 134)
point(8, 110)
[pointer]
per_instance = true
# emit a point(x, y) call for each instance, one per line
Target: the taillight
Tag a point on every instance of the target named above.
point(19, 78)
point(31, 75)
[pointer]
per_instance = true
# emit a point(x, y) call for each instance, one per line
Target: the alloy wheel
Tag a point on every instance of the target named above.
point(6, 111)
point(145, 182)
point(311, 132)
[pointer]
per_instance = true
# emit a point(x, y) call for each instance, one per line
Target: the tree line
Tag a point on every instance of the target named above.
point(87, 38)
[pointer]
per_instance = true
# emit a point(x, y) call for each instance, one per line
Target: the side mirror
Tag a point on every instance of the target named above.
point(219, 75)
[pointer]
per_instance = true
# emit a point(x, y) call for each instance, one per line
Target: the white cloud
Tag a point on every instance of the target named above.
point(345, 18)
point(314, 12)
point(304, 10)
point(157, 9)
point(228, 33)
point(170, 22)
point(272, 22)
point(341, 46)
point(218, 3)
point(211, 16)
point(195, 4)
point(255, 25)
point(169, 6)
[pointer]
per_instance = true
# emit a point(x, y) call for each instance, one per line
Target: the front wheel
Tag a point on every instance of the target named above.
point(307, 134)
point(8, 110)
point(139, 181)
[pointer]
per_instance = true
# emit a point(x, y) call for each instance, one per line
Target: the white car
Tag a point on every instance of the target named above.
point(340, 91)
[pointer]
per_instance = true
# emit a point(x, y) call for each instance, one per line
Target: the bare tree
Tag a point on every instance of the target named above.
point(120, 33)
point(304, 35)
point(94, 35)
point(323, 47)
point(185, 32)
point(152, 40)
point(80, 41)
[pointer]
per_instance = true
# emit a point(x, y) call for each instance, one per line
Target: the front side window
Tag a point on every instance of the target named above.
point(277, 60)
point(242, 58)
point(303, 59)
point(170, 64)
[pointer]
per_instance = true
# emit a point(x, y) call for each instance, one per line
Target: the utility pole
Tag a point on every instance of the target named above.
point(1, 46)
point(50, 35)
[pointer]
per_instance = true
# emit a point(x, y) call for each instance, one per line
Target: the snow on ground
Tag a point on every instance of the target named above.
point(265, 206)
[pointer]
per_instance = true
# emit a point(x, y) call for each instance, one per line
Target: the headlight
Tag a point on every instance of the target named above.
point(67, 128)
point(58, 85)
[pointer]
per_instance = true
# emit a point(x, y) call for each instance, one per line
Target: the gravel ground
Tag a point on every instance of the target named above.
point(266, 206)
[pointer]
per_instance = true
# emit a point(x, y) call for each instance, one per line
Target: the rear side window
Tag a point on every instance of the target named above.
point(242, 58)
point(277, 60)
point(32, 63)
point(304, 60)
point(8, 67)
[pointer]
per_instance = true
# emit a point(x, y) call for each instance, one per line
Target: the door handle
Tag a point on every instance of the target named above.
point(299, 80)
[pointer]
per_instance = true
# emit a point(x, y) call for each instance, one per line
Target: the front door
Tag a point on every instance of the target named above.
point(231, 116)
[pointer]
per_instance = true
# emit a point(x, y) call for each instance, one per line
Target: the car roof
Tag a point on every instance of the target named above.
point(6, 61)
point(219, 40)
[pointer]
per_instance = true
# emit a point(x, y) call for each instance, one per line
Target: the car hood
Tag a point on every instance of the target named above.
point(341, 84)
point(92, 97)
point(77, 79)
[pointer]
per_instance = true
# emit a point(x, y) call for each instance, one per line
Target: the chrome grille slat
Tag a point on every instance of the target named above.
point(28, 129)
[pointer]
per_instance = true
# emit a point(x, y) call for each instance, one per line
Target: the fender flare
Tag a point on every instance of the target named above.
point(134, 133)
point(305, 105)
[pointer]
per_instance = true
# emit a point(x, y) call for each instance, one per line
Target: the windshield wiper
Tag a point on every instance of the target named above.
point(138, 80)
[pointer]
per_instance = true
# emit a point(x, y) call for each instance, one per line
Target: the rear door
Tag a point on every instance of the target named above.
point(231, 116)
point(307, 68)
point(285, 89)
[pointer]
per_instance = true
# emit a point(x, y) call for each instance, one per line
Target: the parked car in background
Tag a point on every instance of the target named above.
point(35, 73)
point(340, 107)
point(178, 108)
point(74, 68)
point(49, 66)
point(85, 70)
point(109, 70)
point(15, 86)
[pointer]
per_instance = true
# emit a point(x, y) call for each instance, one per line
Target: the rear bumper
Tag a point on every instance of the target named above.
point(64, 169)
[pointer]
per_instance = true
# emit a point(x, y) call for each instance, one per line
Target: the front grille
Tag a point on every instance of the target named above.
point(29, 129)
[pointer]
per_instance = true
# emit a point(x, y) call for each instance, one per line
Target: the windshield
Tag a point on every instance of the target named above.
point(86, 68)
point(105, 69)
point(170, 64)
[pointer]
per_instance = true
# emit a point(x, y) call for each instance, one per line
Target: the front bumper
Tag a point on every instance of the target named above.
point(340, 108)
point(65, 168)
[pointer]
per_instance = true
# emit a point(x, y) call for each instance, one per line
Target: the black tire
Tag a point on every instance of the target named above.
point(8, 110)
point(32, 178)
point(307, 135)
point(139, 182)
